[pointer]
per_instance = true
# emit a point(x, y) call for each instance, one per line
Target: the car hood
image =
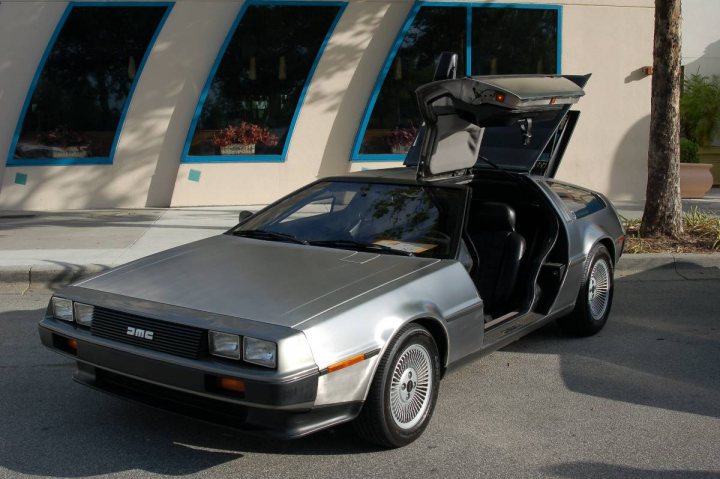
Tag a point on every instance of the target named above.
point(272, 282)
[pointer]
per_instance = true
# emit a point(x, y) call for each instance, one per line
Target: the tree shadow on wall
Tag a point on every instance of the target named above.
point(351, 107)
point(628, 170)
point(708, 64)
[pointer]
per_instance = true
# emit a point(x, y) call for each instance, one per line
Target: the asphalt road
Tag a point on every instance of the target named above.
point(639, 400)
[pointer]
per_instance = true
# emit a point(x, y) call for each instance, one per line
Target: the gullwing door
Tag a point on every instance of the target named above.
point(506, 121)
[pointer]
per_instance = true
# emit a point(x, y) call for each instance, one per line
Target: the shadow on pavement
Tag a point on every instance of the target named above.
point(63, 275)
point(592, 470)
point(662, 352)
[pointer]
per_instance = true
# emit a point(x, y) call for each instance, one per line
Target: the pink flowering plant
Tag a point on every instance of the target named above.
point(244, 134)
point(402, 137)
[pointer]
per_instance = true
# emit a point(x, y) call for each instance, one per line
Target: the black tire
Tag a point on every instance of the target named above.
point(584, 320)
point(376, 422)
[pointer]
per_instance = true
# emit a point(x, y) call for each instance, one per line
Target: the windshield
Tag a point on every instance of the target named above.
point(363, 216)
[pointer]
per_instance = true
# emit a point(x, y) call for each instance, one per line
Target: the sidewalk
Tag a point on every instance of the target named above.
point(57, 247)
point(52, 249)
point(710, 204)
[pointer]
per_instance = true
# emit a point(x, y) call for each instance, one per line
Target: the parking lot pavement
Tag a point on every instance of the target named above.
point(639, 400)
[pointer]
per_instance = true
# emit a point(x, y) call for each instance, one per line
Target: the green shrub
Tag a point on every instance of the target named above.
point(689, 151)
point(700, 108)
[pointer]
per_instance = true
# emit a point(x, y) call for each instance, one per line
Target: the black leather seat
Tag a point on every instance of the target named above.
point(500, 251)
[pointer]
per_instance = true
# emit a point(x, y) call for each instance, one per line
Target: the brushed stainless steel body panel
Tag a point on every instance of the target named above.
point(442, 293)
point(583, 234)
point(323, 305)
point(269, 281)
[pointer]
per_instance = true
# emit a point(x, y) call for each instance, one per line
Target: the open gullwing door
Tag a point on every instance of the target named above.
point(507, 110)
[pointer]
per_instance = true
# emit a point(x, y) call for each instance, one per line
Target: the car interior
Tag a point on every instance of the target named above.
point(513, 246)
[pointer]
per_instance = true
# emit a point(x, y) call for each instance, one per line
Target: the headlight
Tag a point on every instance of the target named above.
point(224, 344)
point(260, 352)
point(62, 309)
point(84, 314)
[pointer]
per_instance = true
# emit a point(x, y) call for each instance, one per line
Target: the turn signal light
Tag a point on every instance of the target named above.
point(499, 97)
point(345, 363)
point(72, 344)
point(229, 384)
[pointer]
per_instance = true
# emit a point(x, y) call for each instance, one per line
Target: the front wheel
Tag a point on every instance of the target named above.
point(594, 300)
point(404, 390)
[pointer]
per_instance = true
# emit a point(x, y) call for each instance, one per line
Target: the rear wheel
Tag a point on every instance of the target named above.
point(594, 300)
point(404, 390)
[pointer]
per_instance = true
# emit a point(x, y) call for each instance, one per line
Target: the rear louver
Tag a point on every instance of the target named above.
point(163, 336)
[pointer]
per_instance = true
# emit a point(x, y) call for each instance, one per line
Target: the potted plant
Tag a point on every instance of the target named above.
point(695, 177)
point(401, 139)
point(241, 139)
point(700, 113)
point(62, 142)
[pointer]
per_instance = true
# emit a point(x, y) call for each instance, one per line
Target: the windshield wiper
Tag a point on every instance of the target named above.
point(272, 235)
point(340, 243)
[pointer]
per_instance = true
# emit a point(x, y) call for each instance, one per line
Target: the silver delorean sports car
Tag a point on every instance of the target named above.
point(349, 299)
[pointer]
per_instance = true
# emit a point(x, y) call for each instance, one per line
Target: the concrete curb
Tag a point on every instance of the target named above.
point(669, 267)
point(22, 278)
point(653, 267)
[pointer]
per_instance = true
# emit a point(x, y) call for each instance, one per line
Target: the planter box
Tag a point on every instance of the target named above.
point(69, 152)
point(711, 156)
point(237, 149)
point(695, 179)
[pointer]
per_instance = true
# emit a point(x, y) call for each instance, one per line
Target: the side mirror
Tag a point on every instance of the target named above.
point(245, 214)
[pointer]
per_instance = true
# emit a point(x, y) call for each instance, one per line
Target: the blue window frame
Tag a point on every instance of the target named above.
point(77, 101)
point(256, 87)
point(487, 31)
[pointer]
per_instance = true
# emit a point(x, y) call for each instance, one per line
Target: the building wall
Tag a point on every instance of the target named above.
point(701, 37)
point(612, 39)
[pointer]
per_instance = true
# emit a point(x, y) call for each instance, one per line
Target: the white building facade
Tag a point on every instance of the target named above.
point(135, 104)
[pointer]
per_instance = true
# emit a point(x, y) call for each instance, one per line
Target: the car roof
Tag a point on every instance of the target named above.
point(408, 175)
point(402, 174)
point(397, 173)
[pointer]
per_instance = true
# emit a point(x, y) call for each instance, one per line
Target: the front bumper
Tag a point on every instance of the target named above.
point(276, 408)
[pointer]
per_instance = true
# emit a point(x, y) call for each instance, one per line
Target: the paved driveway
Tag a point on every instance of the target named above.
point(639, 400)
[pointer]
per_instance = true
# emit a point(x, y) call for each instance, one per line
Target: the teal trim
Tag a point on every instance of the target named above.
point(468, 41)
point(234, 159)
point(361, 157)
point(33, 84)
point(186, 157)
point(194, 175)
point(378, 85)
point(21, 179)
point(559, 39)
point(11, 161)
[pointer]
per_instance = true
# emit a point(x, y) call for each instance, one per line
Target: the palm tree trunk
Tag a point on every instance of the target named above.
point(663, 210)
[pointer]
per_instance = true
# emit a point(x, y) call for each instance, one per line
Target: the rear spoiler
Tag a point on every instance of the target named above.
point(455, 112)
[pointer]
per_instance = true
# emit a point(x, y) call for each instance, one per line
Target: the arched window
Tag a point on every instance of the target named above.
point(77, 101)
point(251, 100)
point(496, 39)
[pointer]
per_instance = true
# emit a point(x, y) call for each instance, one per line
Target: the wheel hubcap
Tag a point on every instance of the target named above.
point(599, 289)
point(410, 386)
